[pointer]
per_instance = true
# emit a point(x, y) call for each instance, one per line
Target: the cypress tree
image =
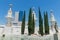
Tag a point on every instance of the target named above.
point(46, 24)
point(33, 25)
point(30, 22)
point(40, 23)
point(23, 24)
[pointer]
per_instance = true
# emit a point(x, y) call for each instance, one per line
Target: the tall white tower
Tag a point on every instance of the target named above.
point(16, 16)
point(52, 20)
point(33, 12)
point(9, 17)
point(34, 15)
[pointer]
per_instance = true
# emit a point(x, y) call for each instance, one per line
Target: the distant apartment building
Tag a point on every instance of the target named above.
point(18, 18)
point(20, 15)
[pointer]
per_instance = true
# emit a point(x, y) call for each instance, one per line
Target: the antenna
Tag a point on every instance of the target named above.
point(10, 5)
point(51, 11)
point(33, 8)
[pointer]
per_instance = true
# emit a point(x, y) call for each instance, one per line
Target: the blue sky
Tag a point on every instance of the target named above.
point(45, 5)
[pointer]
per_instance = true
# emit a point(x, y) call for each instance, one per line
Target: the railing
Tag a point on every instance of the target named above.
point(48, 37)
point(26, 37)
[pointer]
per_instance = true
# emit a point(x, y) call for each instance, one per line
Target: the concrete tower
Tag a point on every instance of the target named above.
point(15, 22)
point(33, 12)
point(9, 17)
point(52, 20)
point(16, 16)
